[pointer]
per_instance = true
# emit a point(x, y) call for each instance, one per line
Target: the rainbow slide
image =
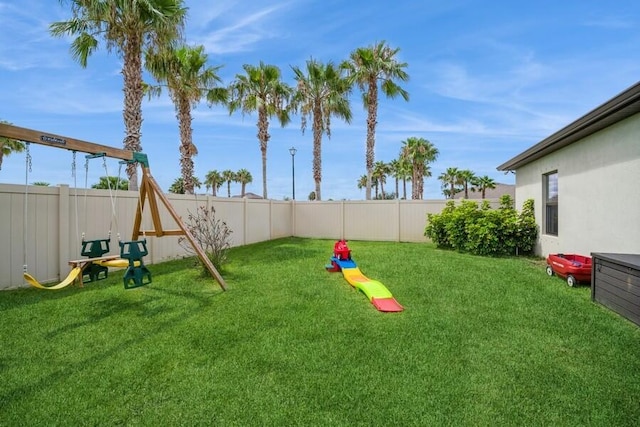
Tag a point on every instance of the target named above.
point(376, 292)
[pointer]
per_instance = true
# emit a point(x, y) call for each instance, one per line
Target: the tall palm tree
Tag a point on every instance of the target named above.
point(405, 174)
point(213, 179)
point(467, 178)
point(419, 152)
point(380, 172)
point(395, 167)
point(321, 93)
point(228, 176)
point(184, 71)
point(127, 27)
point(261, 89)
point(369, 67)
point(9, 145)
point(243, 176)
point(450, 182)
point(484, 183)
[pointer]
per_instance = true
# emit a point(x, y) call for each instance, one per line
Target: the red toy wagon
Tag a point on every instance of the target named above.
point(573, 267)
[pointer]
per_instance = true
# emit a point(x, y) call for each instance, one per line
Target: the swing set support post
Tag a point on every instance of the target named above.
point(149, 187)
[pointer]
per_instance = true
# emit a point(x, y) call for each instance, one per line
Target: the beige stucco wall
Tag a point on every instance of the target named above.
point(598, 192)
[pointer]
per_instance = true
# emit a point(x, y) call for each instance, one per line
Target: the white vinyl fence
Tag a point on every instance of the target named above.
point(42, 227)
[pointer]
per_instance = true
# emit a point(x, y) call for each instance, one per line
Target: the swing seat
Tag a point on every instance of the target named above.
point(137, 273)
point(95, 249)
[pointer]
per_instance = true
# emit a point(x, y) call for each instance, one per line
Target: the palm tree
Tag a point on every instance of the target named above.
point(185, 73)
point(467, 178)
point(111, 183)
point(419, 152)
point(362, 182)
point(243, 176)
point(178, 185)
point(8, 145)
point(484, 183)
point(228, 176)
point(450, 182)
point(213, 179)
point(380, 171)
point(395, 167)
point(127, 27)
point(368, 67)
point(261, 90)
point(321, 93)
point(405, 174)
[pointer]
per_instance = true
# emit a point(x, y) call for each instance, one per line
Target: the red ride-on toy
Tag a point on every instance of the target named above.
point(573, 267)
point(341, 252)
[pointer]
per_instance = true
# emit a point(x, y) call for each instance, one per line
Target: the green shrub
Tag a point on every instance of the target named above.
point(437, 223)
point(481, 230)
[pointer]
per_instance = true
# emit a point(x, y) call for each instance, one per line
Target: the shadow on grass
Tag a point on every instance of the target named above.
point(108, 308)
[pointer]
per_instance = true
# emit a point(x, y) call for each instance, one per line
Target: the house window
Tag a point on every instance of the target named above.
point(551, 203)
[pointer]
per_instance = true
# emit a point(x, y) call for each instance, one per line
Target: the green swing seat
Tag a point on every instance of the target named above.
point(95, 249)
point(137, 273)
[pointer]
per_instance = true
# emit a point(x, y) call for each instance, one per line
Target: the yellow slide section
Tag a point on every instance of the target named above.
point(117, 263)
point(73, 275)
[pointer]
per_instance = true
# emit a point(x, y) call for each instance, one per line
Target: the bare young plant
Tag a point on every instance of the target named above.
point(212, 234)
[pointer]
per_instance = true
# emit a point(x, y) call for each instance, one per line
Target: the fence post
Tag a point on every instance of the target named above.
point(245, 216)
point(342, 214)
point(399, 219)
point(293, 218)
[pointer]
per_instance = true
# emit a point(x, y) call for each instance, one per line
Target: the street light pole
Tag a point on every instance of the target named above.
point(293, 151)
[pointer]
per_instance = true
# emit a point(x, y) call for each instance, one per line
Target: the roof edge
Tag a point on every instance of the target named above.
point(618, 108)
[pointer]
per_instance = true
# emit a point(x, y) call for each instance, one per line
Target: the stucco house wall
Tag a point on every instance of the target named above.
point(598, 192)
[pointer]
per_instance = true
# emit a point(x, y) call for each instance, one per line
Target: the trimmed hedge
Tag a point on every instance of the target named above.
point(476, 228)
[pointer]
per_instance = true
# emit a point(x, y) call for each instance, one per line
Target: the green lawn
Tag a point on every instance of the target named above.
point(481, 342)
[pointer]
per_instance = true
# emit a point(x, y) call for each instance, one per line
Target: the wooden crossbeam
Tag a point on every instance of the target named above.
point(57, 141)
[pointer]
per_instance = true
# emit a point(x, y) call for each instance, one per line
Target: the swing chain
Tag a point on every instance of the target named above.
point(28, 154)
point(73, 166)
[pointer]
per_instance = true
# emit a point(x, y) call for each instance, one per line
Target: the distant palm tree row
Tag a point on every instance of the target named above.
point(456, 180)
point(412, 165)
point(214, 180)
point(150, 34)
point(413, 168)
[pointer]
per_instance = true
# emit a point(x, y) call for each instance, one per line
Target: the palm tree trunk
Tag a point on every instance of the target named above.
point(187, 149)
point(317, 151)
point(263, 137)
point(372, 118)
point(133, 94)
point(397, 189)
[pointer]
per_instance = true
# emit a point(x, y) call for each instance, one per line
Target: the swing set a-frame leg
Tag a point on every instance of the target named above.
point(150, 189)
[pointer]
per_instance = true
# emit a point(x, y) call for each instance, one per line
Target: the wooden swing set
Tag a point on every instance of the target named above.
point(132, 251)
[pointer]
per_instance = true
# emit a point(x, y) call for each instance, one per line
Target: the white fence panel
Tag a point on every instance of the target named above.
point(56, 218)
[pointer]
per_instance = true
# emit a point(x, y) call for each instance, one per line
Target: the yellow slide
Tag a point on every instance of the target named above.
point(117, 263)
point(73, 275)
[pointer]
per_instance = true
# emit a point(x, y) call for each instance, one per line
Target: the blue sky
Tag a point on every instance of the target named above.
point(488, 79)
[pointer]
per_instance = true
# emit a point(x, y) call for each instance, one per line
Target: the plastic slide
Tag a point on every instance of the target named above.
point(117, 263)
point(376, 292)
point(73, 275)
